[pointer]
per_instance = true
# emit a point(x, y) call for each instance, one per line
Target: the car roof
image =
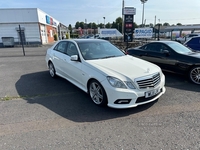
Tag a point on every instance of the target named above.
point(196, 36)
point(84, 40)
point(89, 40)
point(166, 42)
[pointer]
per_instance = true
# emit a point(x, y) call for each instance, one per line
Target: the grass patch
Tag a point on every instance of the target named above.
point(6, 98)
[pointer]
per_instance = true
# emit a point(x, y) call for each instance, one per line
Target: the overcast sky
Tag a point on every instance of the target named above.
point(71, 11)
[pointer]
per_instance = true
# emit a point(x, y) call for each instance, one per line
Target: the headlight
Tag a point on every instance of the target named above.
point(116, 82)
point(130, 84)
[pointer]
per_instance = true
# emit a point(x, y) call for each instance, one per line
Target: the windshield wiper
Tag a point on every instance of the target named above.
point(108, 57)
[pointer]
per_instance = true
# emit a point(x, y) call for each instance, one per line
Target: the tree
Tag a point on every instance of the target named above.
point(140, 26)
point(108, 25)
point(178, 24)
point(114, 25)
point(94, 26)
point(118, 24)
point(151, 25)
point(135, 25)
point(166, 24)
point(79, 24)
point(90, 25)
point(101, 25)
point(158, 24)
point(118, 20)
point(70, 28)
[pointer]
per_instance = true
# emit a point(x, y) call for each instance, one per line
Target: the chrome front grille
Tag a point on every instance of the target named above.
point(149, 81)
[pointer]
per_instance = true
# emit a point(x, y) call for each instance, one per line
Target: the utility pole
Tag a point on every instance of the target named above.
point(122, 17)
point(155, 27)
point(21, 39)
point(143, 1)
point(86, 27)
point(104, 22)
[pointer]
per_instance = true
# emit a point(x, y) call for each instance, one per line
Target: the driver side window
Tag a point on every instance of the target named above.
point(152, 47)
point(71, 49)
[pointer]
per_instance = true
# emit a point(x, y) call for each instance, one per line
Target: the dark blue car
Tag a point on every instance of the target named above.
point(193, 43)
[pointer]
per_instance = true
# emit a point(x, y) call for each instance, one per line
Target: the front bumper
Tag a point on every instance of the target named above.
point(134, 103)
point(131, 98)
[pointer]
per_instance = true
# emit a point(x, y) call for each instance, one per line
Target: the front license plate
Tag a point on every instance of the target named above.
point(152, 93)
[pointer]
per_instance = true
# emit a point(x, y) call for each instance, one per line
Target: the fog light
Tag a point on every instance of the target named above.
point(122, 101)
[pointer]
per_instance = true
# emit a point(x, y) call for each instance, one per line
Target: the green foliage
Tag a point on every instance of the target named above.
point(116, 24)
point(55, 37)
point(79, 24)
point(70, 28)
point(74, 35)
point(101, 25)
point(67, 36)
point(166, 24)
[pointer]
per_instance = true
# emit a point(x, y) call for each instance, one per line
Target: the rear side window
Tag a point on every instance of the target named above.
point(61, 47)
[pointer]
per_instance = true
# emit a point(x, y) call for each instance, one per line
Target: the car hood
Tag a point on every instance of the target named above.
point(196, 54)
point(125, 66)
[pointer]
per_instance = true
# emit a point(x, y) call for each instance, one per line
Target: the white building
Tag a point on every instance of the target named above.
point(36, 26)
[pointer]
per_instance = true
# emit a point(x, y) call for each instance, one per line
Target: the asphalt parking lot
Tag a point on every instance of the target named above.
point(38, 112)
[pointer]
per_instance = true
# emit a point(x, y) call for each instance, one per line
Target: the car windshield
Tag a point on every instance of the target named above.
point(98, 50)
point(179, 48)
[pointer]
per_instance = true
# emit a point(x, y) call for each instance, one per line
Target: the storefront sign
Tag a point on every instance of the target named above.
point(49, 20)
point(128, 11)
point(128, 28)
point(143, 32)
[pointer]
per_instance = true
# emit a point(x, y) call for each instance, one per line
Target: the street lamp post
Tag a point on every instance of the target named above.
point(122, 17)
point(159, 30)
point(118, 26)
point(143, 1)
point(104, 22)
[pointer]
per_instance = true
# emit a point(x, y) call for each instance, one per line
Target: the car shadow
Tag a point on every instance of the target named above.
point(66, 100)
point(180, 82)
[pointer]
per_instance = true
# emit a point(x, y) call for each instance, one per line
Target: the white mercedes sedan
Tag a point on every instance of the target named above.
point(109, 76)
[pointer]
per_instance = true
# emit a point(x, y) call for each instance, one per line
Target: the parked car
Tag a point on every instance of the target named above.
point(193, 43)
point(170, 56)
point(108, 75)
point(186, 37)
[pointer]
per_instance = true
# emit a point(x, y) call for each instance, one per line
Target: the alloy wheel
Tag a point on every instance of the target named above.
point(51, 70)
point(97, 93)
point(195, 75)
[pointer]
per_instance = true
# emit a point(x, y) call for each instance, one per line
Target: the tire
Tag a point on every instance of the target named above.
point(194, 75)
point(52, 70)
point(97, 93)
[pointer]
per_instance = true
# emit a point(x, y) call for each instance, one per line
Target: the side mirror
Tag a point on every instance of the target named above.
point(166, 52)
point(74, 58)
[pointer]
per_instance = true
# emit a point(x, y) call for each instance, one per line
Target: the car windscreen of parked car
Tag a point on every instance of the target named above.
point(179, 48)
point(98, 50)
